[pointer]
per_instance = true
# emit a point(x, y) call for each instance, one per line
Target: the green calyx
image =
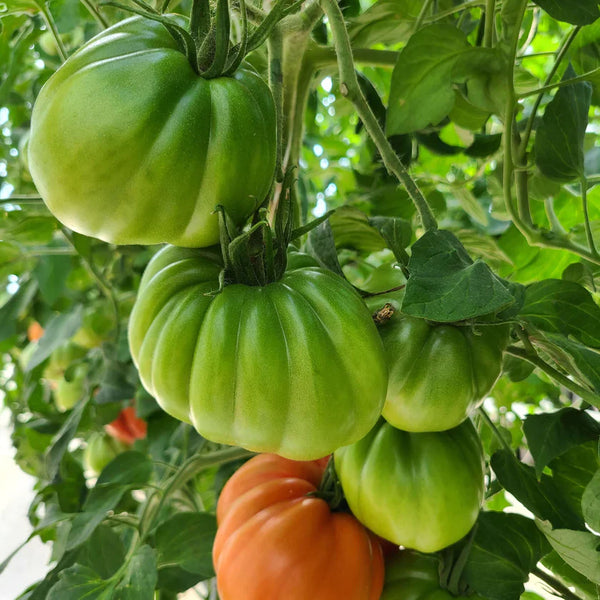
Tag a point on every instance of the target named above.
point(257, 255)
point(207, 44)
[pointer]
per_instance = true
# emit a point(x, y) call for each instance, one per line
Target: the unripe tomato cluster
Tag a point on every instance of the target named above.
point(296, 367)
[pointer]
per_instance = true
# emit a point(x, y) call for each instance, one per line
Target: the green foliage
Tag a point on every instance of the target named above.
point(502, 166)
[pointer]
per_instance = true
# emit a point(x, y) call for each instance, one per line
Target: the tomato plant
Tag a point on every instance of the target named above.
point(381, 221)
point(419, 490)
point(268, 509)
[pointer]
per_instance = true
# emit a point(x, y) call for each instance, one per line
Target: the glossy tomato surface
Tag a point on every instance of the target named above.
point(412, 576)
point(274, 541)
point(418, 490)
point(130, 145)
point(295, 367)
point(438, 374)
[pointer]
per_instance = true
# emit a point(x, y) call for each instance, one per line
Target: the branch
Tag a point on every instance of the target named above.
point(350, 88)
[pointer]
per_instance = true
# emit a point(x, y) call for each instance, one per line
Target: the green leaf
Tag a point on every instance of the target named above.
point(543, 498)
point(78, 582)
point(396, 232)
point(140, 577)
point(128, 471)
point(582, 586)
point(445, 284)
point(185, 540)
point(13, 310)
point(590, 502)
point(484, 145)
point(351, 229)
point(386, 21)
point(104, 552)
point(576, 12)
point(559, 138)
point(506, 547)
point(116, 384)
point(51, 273)
point(573, 470)
point(581, 362)
point(579, 549)
point(550, 435)
point(321, 245)
point(561, 306)
point(59, 329)
point(421, 91)
point(60, 442)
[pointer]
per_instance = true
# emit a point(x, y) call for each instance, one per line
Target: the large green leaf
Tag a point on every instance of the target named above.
point(446, 285)
point(421, 92)
point(559, 138)
point(577, 12)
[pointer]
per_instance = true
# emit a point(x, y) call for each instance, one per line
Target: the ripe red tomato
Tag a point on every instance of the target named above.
point(127, 427)
point(276, 540)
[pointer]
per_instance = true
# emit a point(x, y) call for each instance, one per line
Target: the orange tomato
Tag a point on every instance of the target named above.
point(127, 427)
point(35, 331)
point(275, 540)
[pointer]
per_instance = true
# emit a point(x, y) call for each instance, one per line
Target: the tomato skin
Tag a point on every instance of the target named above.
point(412, 576)
point(130, 145)
point(438, 374)
point(295, 367)
point(418, 490)
point(127, 427)
point(275, 542)
point(100, 450)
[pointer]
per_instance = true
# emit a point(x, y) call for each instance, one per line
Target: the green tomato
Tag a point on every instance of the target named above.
point(438, 374)
point(62, 358)
point(100, 450)
point(97, 325)
point(130, 145)
point(418, 490)
point(412, 576)
point(295, 367)
point(69, 393)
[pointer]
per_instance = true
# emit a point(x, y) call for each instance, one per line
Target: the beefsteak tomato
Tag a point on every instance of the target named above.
point(130, 145)
point(276, 539)
point(418, 490)
point(294, 367)
point(438, 374)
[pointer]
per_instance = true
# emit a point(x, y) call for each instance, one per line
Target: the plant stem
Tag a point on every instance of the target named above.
point(275, 46)
point(494, 429)
point(564, 82)
point(189, 469)
point(524, 225)
point(51, 24)
point(95, 13)
point(350, 88)
point(321, 56)
point(555, 224)
point(588, 227)
point(490, 23)
point(424, 9)
point(535, 360)
point(555, 584)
